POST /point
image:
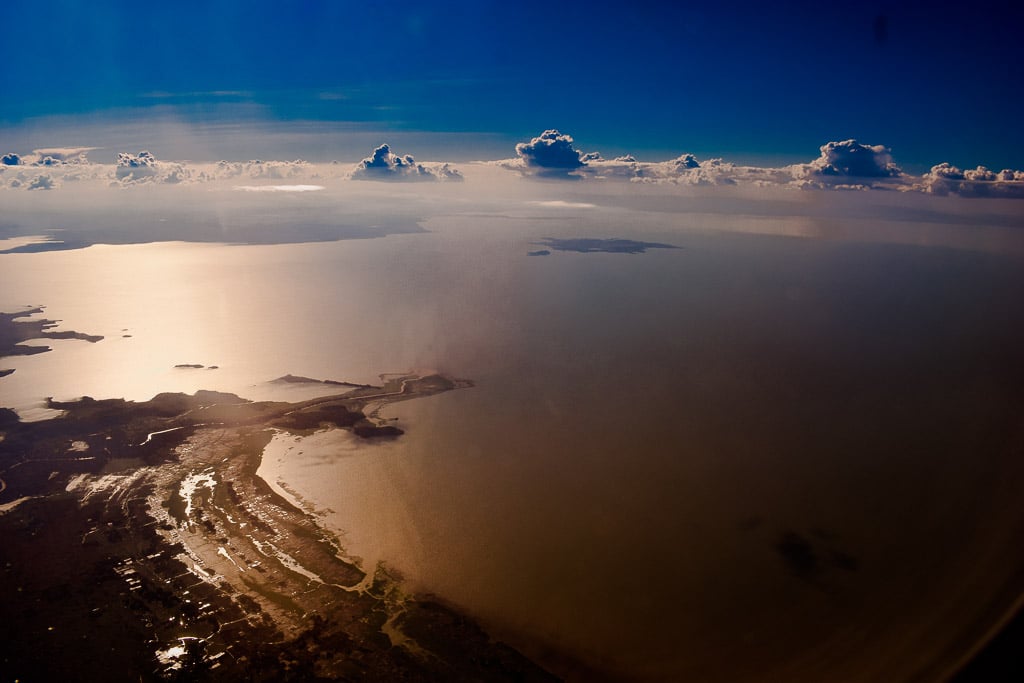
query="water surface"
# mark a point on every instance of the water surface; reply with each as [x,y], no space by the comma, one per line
[787,448]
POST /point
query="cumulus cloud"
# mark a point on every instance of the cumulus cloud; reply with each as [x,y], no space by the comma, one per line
[850,158]
[843,165]
[686,161]
[384,164]
[685,169]
[49,168]
[551,153]
[135,167]
[145,168]
[61,156]
[41,182]
[258,168]
[944,179]
[28,177]
[73,155]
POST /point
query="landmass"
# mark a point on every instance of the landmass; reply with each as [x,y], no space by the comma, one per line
[138,543]
[14,331]
[242,224]
[298,379]
[589,245]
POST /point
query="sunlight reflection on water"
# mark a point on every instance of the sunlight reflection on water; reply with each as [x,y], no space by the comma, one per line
[782,446]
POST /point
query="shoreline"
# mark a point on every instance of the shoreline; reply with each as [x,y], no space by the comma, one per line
[195,463]
[203,568]
[14,331]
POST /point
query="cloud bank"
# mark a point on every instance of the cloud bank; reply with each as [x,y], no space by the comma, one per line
[840,165]
[56,156]
[50,156]
[258,168]
[146,168]
[384,164]
[944,179]
[552,155]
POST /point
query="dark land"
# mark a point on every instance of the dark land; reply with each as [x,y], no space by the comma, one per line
[588,245]
[298,379]
[13,331]
[251,222]
[138,543]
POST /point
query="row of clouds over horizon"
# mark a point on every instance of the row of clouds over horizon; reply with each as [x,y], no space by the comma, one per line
[841,165]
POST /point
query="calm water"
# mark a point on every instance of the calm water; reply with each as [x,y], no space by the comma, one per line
[792,446]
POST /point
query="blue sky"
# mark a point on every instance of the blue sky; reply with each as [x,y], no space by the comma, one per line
[740,80]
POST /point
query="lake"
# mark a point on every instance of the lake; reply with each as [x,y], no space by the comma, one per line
[790,446]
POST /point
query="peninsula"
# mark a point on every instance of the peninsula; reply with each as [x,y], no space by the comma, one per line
[14,331]
[139,544]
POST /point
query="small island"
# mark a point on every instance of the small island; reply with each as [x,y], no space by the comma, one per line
[589,245]
[298,379]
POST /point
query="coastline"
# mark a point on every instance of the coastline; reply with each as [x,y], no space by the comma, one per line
[209,570]
[13,331]
[306,417]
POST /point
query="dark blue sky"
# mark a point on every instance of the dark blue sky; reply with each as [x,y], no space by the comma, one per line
[935,82]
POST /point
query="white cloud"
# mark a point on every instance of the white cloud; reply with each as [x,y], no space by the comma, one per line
[944,179]
[844,165]
[41,182]
[850,158]
[384,164]
[144,168]
[551,154]
[686,161]
[134,168]
[257,168]
[29,178]
[683,170]
[56,156]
